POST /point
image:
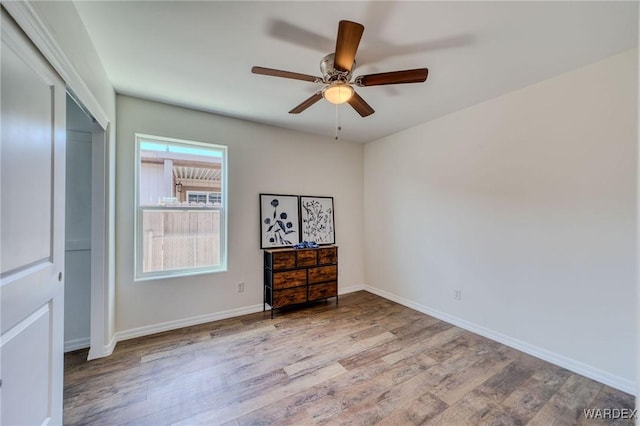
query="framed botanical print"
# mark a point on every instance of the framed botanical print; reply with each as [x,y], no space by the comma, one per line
[317,220]
[279,221]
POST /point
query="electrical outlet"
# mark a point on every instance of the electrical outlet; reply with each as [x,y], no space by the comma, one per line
[457,294]
[240,287]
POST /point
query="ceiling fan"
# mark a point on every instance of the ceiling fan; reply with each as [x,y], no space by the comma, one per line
[337,71]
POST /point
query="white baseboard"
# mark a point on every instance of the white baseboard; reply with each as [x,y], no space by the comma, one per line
[186,322]
[95,353]
[578,367]
[350,289]
[75,344]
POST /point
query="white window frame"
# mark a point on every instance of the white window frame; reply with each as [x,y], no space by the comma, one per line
[139,275]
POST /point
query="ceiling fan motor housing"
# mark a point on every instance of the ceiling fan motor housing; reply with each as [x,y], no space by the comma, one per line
[330,73]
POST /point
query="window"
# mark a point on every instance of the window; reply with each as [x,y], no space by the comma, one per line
[204,197]
[180,207]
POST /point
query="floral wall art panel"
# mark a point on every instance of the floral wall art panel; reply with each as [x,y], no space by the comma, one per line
[316,214]
[279,222]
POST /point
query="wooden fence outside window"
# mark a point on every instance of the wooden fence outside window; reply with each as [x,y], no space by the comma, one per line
[180,239]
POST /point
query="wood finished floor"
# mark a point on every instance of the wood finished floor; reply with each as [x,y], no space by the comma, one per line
[366,361]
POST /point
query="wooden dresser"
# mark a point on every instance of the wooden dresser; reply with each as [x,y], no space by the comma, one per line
[293,276]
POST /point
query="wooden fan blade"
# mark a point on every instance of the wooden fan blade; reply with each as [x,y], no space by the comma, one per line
[284,74]
[307,103]
[360,105]
[349,35]
[395,77]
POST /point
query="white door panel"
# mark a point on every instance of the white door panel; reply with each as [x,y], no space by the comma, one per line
[27,367]
[32,198]
[26,215]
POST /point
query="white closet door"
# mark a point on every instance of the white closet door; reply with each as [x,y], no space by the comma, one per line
[32,203]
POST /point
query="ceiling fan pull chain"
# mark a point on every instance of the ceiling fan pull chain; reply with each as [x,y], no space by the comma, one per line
[337,122]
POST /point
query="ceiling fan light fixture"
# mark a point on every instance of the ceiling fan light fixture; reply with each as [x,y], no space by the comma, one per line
[338,92]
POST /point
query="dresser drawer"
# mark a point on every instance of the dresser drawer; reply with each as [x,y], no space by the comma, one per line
[283,260]
[322,291]
[323,273]
[327,255]
[289,297]
[288,279]
[306,258]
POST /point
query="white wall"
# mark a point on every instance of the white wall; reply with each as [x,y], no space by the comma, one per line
[527,203]
[261,159]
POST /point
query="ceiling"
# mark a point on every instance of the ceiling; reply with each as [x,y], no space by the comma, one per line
[199,54]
